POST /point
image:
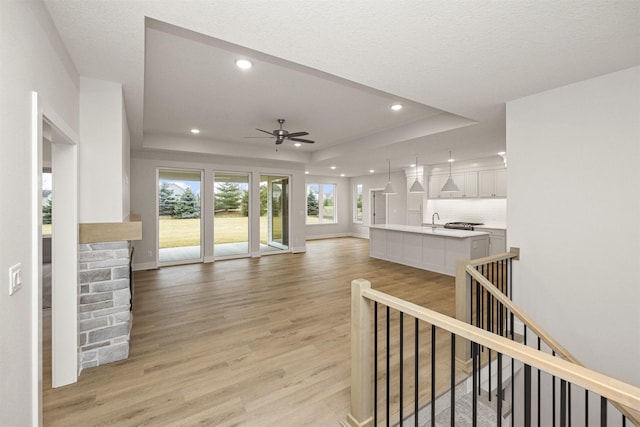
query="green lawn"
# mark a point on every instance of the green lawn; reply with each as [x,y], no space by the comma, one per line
[186,232]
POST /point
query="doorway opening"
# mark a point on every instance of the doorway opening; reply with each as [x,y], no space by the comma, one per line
[378,207]
[274,213]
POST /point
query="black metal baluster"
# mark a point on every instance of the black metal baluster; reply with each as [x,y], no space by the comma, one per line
[553,395]
[388,367]
[527,395]
[538,387]
[453,379]
[478,317]
[474,378]
[499,393]
[513,374]
[586,409]
[433,376]
[490,324]
[401,365]
[624,421]
[375,364]
[416,383]
[563,403]
[603,411]
[569,403]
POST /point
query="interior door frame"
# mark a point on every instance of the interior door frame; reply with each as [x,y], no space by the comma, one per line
[372,208]
[64,252]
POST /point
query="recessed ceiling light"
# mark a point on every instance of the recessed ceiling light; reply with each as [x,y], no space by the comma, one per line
[297,144]
[502,153]
[412,165]
[451,160]
[306,172]
[195,131]
[333,168]
[396,107]
[244,64]
[341,174]
[371,171]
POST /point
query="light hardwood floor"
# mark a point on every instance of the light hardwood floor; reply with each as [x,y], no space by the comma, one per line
[251,342]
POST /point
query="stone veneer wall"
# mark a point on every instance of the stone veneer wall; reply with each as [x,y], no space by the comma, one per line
[105,302]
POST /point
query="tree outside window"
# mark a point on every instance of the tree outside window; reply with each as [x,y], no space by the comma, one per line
[321,205]
[357,202]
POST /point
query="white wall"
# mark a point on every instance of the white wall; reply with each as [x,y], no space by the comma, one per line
[343,206]
[144,187]
[574,210]
[104,135]
[33,59]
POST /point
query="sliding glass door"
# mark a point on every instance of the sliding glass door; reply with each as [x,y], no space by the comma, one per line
[179,213]
[231,214]
[274,213]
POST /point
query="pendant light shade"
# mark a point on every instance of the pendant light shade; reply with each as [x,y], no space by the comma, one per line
[388,189]
[450,186]
[416,187]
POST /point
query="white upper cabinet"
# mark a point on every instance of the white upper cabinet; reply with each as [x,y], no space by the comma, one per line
[435,185]
[492,183]
[467,182]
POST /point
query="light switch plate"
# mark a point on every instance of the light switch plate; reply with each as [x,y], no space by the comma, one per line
[15,278]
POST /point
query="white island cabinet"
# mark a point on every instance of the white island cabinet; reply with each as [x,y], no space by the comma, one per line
[433,249]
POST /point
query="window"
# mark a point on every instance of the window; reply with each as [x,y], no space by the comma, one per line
[357,204]
[321,205]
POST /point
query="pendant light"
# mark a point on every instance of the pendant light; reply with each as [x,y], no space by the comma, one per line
[450,186]
[388,189]
[416,187]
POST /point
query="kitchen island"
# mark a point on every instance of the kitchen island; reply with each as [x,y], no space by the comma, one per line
[433,249]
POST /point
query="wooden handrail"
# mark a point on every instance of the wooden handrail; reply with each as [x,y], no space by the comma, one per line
[514,253]
[610,388]
[543,335]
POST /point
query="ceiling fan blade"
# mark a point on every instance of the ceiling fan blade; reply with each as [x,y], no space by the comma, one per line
[270,133]
[295,134]
[308,141]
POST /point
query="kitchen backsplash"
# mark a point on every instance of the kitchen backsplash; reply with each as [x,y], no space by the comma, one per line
[486,211]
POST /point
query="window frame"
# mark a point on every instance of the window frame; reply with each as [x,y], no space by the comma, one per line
[357,196]
[321,199]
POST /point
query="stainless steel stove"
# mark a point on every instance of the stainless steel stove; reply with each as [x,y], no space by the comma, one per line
[462,225]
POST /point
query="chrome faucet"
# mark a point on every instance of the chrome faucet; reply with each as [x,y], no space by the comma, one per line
[433,221]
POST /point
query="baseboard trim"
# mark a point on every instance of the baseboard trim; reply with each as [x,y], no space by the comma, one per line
[328,236]
[145,266]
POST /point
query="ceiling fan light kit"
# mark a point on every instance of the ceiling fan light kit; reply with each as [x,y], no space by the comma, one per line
[450,186]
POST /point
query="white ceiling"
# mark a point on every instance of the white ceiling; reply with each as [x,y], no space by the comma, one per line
[333,68]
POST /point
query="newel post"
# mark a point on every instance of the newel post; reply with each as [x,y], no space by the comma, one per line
[463,314]
[361,414]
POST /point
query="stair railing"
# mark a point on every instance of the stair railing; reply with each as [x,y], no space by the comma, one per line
[485,285]
[365,372]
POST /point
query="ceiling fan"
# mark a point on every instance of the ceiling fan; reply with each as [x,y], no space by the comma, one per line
[280,135]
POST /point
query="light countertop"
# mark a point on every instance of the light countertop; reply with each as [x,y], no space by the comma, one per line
[427,229]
